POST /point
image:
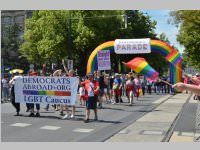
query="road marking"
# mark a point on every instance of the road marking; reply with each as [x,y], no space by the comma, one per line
[187,134]
[83,130]
[50,127]
[152,132]
[20,124]
[125,131]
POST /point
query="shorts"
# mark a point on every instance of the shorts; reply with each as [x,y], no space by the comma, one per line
[83,98]
[91,103]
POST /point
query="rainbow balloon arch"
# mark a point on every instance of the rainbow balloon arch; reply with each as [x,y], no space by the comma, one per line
[171,55]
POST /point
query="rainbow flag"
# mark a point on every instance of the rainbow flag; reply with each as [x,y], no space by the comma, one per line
[139,65]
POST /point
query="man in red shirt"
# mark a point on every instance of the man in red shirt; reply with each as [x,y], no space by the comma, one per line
[92,91]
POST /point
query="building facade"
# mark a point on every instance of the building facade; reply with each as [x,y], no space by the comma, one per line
[12,30]
[14,17]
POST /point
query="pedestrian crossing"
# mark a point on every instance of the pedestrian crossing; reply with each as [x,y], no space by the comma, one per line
[51,128]
[20,124]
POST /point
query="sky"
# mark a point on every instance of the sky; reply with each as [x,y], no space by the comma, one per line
[162,16]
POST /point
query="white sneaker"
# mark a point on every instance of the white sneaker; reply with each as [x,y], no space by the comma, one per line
[72,117]
[113,103]
[65,116]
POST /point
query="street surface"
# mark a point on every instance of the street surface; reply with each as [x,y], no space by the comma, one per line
[113,124]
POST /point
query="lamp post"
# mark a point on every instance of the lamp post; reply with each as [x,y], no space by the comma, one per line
[69,37]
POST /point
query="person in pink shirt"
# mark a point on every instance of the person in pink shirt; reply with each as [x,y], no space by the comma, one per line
[129,89]
[186,79]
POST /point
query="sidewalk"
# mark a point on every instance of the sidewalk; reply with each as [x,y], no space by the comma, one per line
[185,130]
[153,126]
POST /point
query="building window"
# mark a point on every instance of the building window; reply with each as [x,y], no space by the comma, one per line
[19,19]
[6,20]
[5,30]
[29,14]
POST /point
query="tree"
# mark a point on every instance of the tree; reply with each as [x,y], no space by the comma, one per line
[164,38]
[189,34]
[47,36]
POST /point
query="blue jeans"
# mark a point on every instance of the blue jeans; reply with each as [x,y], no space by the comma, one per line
[5,93]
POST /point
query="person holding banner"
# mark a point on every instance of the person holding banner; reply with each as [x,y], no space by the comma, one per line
[92,92]
[31,105]
[12,85]
[70,74]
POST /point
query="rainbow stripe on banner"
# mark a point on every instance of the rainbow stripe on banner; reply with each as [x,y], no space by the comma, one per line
[139,65]
[47,93]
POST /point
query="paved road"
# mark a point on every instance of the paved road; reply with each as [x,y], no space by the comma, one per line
[50,128]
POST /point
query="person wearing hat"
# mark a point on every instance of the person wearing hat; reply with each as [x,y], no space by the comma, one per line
[12,98]
[92,91]
[117,85]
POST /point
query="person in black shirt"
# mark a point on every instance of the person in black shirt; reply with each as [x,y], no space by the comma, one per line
[100,79]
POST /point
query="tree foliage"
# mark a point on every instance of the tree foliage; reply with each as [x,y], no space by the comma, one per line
[47,35]
[189,34]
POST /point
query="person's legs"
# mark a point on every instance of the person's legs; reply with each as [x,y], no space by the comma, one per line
[67,112]
[143,90]
[100,97]
[38,110]
[95,114]
[31,106]
[3,94]
[73,112]
[81,99]
[87,115]
[47,107]
[131,97]
[16,105]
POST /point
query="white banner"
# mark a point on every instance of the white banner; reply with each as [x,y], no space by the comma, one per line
[46,90]
[103,60]
[132,46]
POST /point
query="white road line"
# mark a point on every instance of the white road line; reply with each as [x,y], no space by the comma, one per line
[152,132]
[50,127]
[187,134]
[83,130]
[20,124]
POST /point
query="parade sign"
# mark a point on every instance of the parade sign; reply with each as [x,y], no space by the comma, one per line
[103,60]
[46,90]
[132,46]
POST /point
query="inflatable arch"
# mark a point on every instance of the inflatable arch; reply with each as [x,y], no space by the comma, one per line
[158,46]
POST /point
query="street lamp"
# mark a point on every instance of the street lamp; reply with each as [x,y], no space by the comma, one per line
[69,37]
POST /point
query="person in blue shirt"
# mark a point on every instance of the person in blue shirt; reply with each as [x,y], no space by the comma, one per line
[117,87]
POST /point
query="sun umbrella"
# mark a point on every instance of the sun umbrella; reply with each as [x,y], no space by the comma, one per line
[16,70]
